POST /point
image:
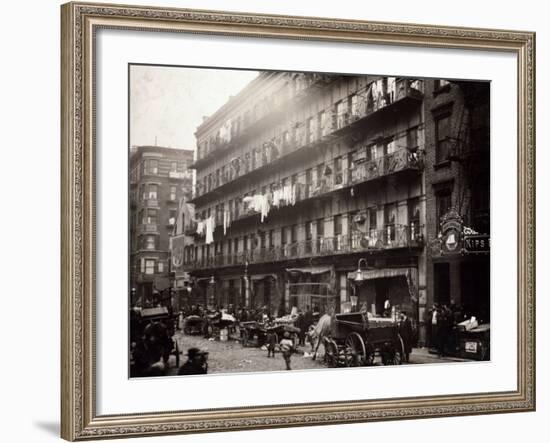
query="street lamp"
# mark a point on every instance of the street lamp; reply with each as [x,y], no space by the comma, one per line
[359,273]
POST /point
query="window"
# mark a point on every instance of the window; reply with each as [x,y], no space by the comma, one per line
[371,152]
[412,138]
[373,227]
[442,138]
[414,217]
[309,236]
[236,245]
[209,185]
[150,217]
[390,216]
[354,106]
[172,214]
[149,266]
[480,208]
[338,232]
[323,123]
[151,167]
[338,176]
[173,193]
[161,266]
[308,183]
[320,233]
[283,236]
[443,201]
[262,240]
[337,225]
[389,146]
[293,240]
[353,236]
[341,114]
[150,242]
[271,245]
[173,166]
[153,192]
[311,130]
[245,243]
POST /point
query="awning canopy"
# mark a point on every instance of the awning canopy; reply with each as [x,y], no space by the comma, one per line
[262,276]
[371,274]
[314,270]
[410,274]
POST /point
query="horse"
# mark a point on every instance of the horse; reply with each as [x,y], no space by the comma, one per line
[322,330]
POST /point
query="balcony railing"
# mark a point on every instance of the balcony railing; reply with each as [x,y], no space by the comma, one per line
[305,84]
[346,120]
[148,228]
[400,160]
[391,237]
[150,203]
[179,175]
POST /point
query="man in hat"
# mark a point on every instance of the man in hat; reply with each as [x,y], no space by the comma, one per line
[196,362]
[406,333]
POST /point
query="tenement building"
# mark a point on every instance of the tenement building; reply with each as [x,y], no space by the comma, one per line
[159,178]
[312,191]
[457,195]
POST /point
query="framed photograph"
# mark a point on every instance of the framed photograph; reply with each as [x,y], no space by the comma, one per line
[277,221]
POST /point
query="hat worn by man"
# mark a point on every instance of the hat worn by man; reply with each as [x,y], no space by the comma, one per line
[193,352]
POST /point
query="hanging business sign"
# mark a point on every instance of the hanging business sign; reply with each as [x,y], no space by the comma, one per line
[477,244]
[451,233]
[456,238]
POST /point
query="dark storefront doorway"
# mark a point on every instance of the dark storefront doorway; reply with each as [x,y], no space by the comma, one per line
[442,283]
[475,283]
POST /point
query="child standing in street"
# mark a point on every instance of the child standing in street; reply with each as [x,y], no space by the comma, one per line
[271,342]
[287,347]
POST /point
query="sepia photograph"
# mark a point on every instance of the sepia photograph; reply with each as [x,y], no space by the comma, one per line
[301,220]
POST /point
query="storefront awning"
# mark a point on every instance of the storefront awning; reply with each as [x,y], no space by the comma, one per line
[314,270]
[372,274]
[262,276]
[410,274]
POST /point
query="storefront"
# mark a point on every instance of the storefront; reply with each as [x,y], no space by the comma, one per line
[385,292]
[459,273]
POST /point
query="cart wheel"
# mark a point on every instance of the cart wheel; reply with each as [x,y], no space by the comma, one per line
[331,352]
[369,357]
[394,355]
[356,346]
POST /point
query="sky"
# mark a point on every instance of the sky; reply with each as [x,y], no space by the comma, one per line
[168,103]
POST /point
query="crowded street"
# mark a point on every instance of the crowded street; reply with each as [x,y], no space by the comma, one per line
[231,356]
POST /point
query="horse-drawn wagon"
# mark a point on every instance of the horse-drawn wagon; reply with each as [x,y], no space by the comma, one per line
[356,340]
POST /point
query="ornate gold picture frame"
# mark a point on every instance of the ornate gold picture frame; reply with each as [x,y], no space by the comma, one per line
[80,23]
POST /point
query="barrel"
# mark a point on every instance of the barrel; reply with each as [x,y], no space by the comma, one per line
[223,334]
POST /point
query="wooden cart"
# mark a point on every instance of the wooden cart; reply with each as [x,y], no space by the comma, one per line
[356,340]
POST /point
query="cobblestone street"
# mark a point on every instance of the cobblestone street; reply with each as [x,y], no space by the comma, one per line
[231,356]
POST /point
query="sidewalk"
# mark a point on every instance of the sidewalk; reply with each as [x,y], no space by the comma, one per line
[422,355]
